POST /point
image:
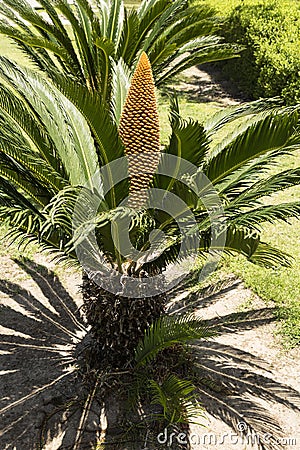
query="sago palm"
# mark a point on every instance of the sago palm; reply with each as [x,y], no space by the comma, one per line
[97,43]
[79,185]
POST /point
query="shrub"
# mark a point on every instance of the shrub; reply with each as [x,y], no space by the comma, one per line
[270,64]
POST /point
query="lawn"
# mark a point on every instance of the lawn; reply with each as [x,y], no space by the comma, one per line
[283,286]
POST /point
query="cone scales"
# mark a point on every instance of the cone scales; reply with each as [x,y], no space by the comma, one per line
[139,131]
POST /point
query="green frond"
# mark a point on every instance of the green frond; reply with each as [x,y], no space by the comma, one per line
[237,240]
[271,213]
[81,39]
[198,51]
[178,400]
[36,167]
[276,131]
[21,218]
[159,53]
[147,6]
[246,242]
[30,186]
[166,332]
[192,23]
[20,238]
[56,20]
[59,215]
[11,197]
[270,257]
[35,41]
[167,16]
[104,130]
[23,123]
[95,112]
[244,192]
[227,115]
[129,35]
[188,140]
[148,16]
[103,12]
[74,141]
[106,49]
[233,187]
[115,20]
[54,34]
[120,84]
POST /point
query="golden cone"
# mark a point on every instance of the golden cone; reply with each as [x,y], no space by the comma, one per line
[139,131]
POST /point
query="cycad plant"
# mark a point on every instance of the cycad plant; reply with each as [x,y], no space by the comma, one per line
[97,42]
[62,184]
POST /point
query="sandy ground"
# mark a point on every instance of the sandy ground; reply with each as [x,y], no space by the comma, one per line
[40,324]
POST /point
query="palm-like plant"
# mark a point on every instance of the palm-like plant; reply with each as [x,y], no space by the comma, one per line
[97,43]
[53,144]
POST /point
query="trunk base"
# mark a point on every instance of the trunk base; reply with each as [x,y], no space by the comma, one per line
[117,324]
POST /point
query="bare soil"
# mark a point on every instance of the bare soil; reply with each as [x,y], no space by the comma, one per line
[42,399]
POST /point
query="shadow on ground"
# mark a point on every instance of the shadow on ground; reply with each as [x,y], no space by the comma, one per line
[206,84]
[41,398]
[43,401]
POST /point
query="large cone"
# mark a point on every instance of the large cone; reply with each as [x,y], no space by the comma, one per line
[139,131]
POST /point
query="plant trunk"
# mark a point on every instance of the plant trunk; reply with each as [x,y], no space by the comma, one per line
[117,323]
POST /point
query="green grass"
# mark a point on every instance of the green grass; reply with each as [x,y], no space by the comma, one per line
[283,286]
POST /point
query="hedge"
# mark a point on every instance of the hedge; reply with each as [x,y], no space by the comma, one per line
[270,65]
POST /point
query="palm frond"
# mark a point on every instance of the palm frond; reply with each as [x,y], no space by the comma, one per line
[165,18]
[106,49]
[115,20]
[236,184]
[23,180]
[178,399]
[82,44]
[198,51]
[38,140]
[270,133]
[189,140]
[103,12]
[10,197]
[54,34]
[148,15]
[168,331]
[147,6]
[74,141]
[270,213]
[188,143]
[120,85]
[225,116]
[191,23]
[248,243]
[103,128]
[129,35]
[265,187]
